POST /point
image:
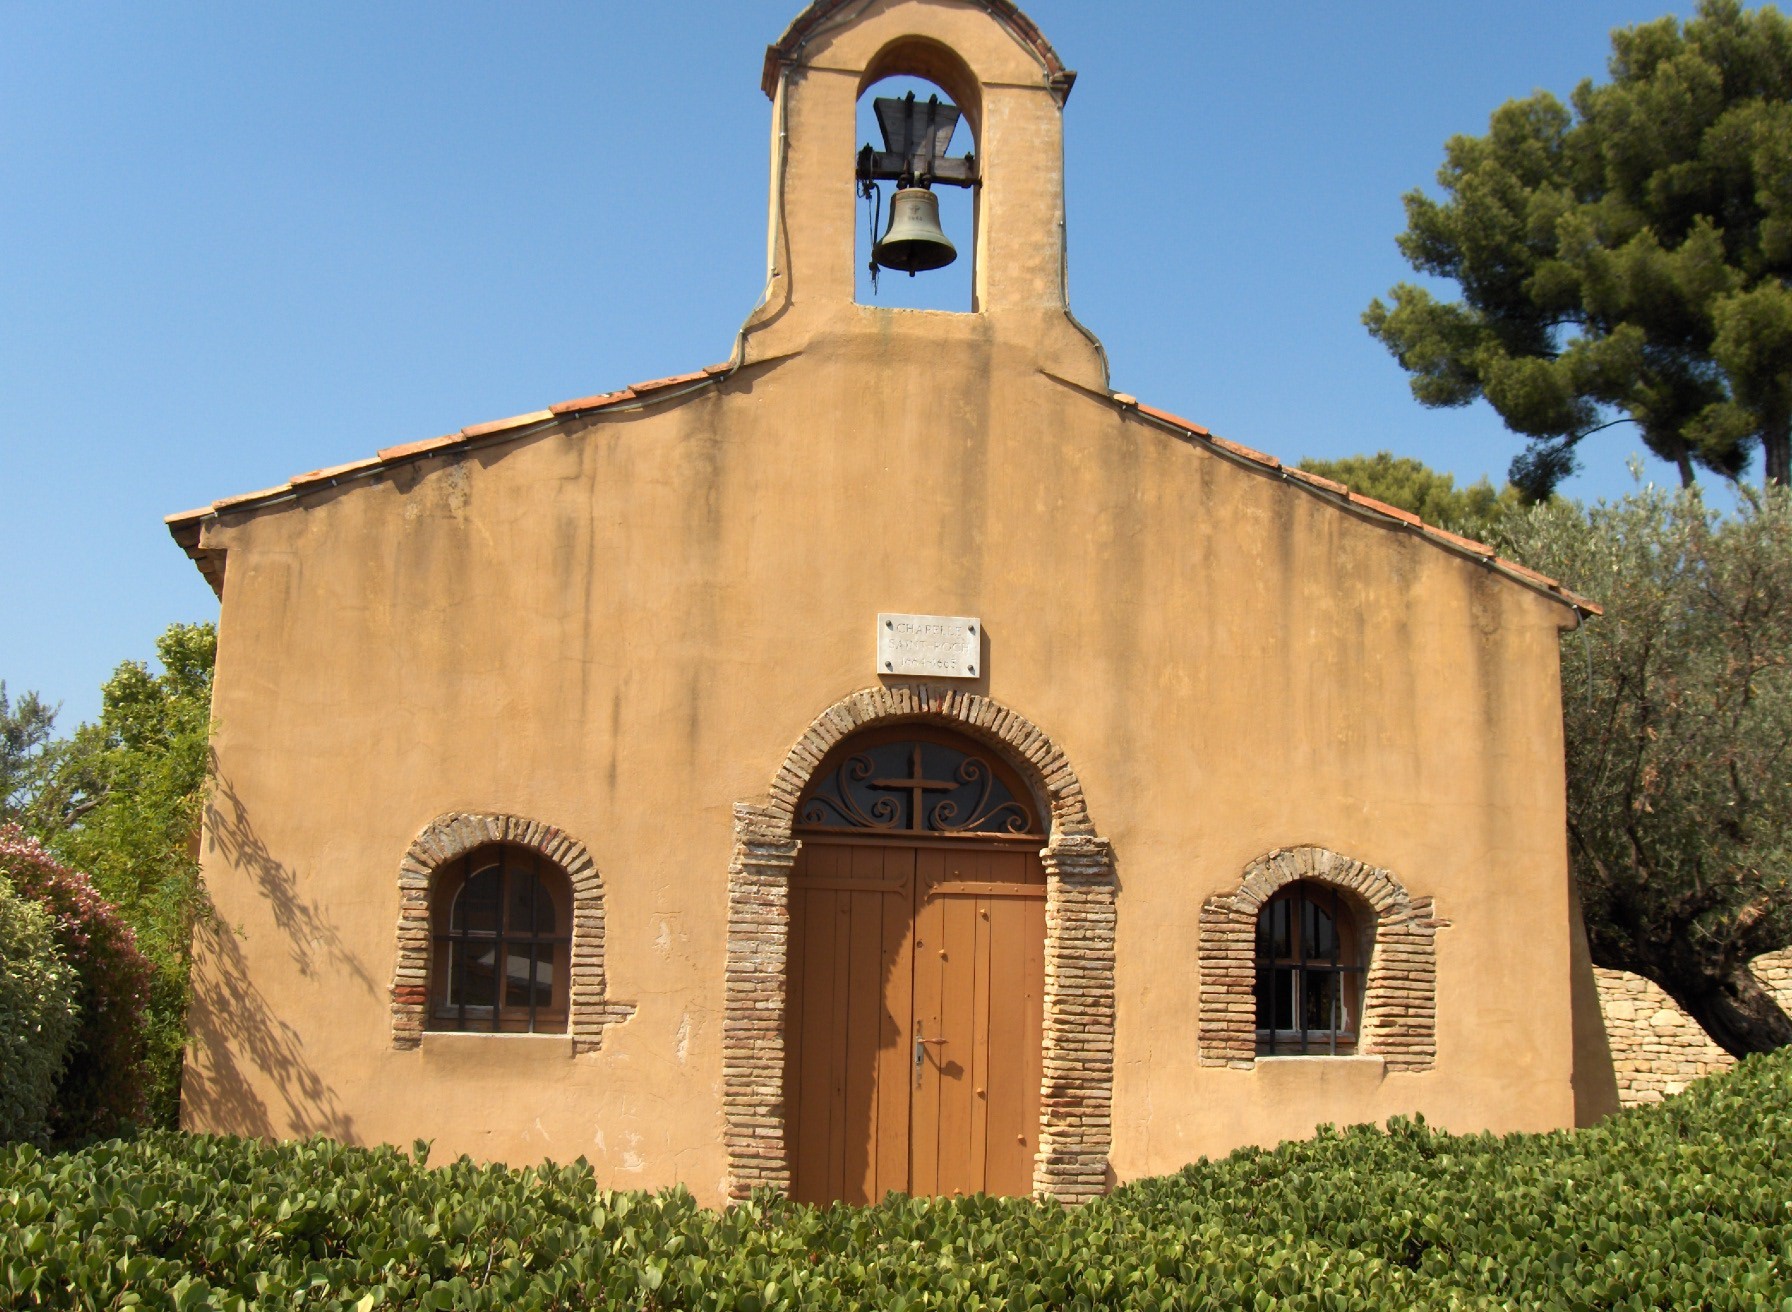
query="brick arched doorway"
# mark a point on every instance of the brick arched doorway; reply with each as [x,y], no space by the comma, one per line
[1069,1152]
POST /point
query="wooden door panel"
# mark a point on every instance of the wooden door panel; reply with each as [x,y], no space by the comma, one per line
[947,1074]
[1016,1010]
[927,1027]
[879,982]
[846,1092]
[895,1085]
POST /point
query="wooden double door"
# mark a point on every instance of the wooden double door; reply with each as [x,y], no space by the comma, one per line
[913,1034]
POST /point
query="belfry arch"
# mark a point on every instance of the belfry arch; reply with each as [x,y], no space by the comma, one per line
[1077,1057]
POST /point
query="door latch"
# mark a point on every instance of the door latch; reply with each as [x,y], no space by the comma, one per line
[921,1046]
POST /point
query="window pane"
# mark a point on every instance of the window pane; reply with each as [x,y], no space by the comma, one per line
[526,894]
[525,977]
[1319,997]
[1280,931]
[479,977]
[1275,999]
[1320,935]
[476,906]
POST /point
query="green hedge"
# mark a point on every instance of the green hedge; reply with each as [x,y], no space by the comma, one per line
[1688,1204]
[37,1016]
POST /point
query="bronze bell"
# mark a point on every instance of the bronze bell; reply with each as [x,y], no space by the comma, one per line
[913,241]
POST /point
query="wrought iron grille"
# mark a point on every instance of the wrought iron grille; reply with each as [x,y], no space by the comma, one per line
[502,951]
[911,786]
[1309,974]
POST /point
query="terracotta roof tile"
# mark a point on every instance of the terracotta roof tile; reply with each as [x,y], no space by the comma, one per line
[659,384]
[404,451]
[184,526]
[592,402]
[429,446]
[333,473]
[633,390]
[1383,508]
[505,425]
[1457,540]
[1247,452]
[1177,421]
[1440,536]
[1295,472]
[244,498]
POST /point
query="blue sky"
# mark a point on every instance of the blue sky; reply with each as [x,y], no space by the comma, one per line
[238,242]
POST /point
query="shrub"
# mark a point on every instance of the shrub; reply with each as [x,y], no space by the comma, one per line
[37,1016]
[101,1091]
[1683,1204]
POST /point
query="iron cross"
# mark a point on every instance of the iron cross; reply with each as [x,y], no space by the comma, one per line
[917,785]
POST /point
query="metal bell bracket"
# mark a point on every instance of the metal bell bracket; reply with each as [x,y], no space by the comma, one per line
[917,134]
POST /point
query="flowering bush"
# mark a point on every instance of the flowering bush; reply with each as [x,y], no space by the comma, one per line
[101,1091]
[37,1016]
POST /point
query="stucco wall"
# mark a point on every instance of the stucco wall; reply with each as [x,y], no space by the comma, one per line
[1657,1049]
[620,630]
[619,624]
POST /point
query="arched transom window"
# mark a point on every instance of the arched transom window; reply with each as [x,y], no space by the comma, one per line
[502,922]
[896,782]
[1310,972]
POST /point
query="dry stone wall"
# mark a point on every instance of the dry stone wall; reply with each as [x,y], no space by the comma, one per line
[1657,1049]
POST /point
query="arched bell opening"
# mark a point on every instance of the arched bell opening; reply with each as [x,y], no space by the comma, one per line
[907,211]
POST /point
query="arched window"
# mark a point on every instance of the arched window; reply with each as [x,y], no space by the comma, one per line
[1310,971]
[501,921]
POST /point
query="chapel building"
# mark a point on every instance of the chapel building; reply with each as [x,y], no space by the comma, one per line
[889,759]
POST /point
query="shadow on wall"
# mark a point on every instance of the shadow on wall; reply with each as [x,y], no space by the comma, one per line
[308,934]
[246,1052]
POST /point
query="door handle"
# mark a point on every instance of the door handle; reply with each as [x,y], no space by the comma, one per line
[921,1048]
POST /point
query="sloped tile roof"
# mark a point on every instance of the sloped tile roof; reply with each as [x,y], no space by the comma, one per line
[1342,496]
[185,526]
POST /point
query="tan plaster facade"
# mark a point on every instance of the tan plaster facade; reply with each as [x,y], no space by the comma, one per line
[622,618]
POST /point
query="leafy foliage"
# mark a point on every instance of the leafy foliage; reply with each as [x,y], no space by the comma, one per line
[128,794]
[1681,1204]
[37,1016]
[101,1092]
[1678,713]
[30,754]
[1624,260]
[1428,493]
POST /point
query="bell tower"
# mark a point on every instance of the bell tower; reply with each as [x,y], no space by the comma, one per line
[1008,87]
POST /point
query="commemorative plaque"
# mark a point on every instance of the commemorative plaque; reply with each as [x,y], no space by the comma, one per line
[941,646]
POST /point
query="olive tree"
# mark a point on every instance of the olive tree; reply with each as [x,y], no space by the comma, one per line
[1678,715]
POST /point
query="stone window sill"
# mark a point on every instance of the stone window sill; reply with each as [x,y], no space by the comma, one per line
[487,1036]
[1350,1059]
